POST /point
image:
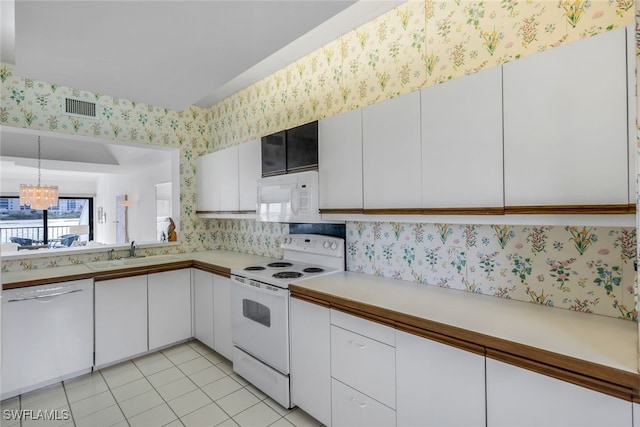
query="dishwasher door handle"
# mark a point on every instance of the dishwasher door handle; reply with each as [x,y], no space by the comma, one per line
[44,296]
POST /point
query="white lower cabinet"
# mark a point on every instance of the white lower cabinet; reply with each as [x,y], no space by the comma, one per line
[636,415]
[519,397]
[169,296]
[222,339]
[352,408]
[438,385]
[120,319]
[363,364]
[311,359]
[203,306]
[138,313]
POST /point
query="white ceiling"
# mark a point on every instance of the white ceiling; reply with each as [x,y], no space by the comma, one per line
[170,53]
[166,53]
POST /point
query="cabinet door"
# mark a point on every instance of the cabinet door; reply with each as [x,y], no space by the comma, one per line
[352,408]
[462,142]
[203,306]
[518,397]
[311,359]
[565,124]
[250,166]
[169,307]
[120,319]
[632,107]
[340,161]
[438,385]
[222,342]
[208,193]
[226,176]
[391,153]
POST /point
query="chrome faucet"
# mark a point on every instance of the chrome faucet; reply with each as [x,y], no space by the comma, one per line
[132,249]
[110,255]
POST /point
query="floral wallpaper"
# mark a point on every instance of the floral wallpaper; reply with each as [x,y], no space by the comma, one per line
[38,105]
[588,269]
[419,43]
[249,236]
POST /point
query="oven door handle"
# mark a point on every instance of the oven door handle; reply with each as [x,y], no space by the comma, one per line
[272,290]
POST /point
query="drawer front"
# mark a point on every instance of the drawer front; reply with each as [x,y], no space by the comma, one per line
[364,364]
[364,327]
[352,408]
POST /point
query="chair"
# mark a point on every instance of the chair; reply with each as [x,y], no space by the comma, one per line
[68,239]
[22,241]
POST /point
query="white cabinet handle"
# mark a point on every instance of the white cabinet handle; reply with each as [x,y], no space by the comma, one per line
[360,346]
[360,404]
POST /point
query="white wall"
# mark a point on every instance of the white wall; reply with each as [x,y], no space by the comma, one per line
[139,187]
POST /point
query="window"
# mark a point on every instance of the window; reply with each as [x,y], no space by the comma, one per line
[56,227]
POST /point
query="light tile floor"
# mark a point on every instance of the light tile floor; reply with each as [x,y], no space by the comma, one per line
[185,385]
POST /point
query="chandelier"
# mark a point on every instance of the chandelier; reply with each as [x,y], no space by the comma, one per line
[41,196]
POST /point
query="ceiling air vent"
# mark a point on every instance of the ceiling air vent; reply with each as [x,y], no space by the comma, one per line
[80,108]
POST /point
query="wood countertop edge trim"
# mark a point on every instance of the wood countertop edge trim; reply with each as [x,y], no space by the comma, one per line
[212,268]
[611,209]
[140,270]
[604,379]
[121,273]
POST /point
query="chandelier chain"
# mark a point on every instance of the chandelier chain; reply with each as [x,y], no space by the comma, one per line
[39,161]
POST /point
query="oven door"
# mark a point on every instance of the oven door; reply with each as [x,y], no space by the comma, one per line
[260,321]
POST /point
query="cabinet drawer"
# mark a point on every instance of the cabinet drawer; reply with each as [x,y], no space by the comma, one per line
[365,364]
[352,408]
[364,327]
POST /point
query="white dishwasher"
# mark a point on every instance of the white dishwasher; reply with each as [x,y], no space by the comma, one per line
[47,335]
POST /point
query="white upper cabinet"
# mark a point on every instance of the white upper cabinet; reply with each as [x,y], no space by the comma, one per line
[208,195]
[227,179]
[249,170]
[565,125]
[340,161]
[391,153]
[462,142]
[631,112]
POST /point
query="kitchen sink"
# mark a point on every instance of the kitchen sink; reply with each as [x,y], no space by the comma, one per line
[129,262]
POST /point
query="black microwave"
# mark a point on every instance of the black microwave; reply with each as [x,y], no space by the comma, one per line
[291,150]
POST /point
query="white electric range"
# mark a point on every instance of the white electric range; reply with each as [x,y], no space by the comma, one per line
[260,308]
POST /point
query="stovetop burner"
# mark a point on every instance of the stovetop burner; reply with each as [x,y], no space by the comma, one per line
[255,268]
[279,264]
[313,270]
[287,275]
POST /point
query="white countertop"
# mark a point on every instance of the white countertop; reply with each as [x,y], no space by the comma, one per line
[598,339]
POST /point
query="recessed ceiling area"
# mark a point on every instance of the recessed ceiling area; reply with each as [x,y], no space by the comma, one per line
[171,54]
[63,154]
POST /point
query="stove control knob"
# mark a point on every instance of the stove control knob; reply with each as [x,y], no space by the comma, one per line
[334,246]
[326,245]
